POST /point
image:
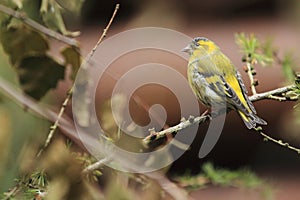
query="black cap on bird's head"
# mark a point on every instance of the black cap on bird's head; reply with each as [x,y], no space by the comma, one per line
[199,42]
[200,39]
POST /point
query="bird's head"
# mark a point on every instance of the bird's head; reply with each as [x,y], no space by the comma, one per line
[200,43]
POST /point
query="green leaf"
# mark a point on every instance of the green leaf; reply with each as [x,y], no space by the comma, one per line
[73,58]
[19,41]
[52,17]
[38,74]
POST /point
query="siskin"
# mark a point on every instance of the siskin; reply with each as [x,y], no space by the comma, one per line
[215,80]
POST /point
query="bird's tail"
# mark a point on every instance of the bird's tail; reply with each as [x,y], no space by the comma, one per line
[251,120]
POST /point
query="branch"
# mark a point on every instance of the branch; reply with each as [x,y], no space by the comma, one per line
[174,129]
[41,110]
[171,188]
[69,130]
[103,33]
[258,96]
[251,74]
[279,142]
[54,127]
[273,93]
[40,28]
[96,165]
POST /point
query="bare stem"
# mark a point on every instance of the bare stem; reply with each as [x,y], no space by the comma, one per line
[272,93]
[162,180]
[56,123]
[96,165]
[186,123]
[40,28]
[279,142]
[54,127]
[13,192]
[251,77]
[104,32]
[182,125]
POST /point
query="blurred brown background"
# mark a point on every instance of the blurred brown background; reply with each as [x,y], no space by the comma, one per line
[218,20]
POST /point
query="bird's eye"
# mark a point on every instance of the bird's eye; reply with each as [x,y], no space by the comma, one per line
[197,40]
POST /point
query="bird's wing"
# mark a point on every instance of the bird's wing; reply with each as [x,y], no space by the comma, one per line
[245,92]
[234,96]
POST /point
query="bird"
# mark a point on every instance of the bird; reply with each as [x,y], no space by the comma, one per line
[216,82]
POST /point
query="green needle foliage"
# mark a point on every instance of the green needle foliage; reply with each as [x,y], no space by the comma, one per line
[236,178]
[254,50]
[241,178]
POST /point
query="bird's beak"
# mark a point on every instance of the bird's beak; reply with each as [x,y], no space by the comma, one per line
[187,49]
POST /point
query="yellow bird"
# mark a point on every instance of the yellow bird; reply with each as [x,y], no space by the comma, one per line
[215,81]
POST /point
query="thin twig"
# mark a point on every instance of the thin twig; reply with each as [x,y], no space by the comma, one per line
[171,188]
[279,142]
[12,192]
[40,28]
[270,94]
[70,131]
[54,127]
[251,77]
[103,33]
[182,125]
[96,165]
[186,123]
